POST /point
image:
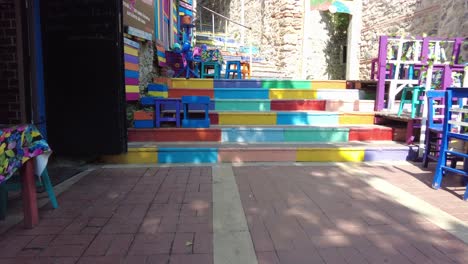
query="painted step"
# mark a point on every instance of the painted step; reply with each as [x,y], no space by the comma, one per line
[260,105]
[298,118]
[303,84]
[346,105]
[180,83]
[334,94]
[297,105]
[272,94]
[241,93]
[263,134]
[278,152]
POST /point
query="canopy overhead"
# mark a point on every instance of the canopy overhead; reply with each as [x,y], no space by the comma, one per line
[334,6]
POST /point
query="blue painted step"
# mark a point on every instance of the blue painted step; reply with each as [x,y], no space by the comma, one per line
[241,93]
[187,155]
[237,84]
[308,118]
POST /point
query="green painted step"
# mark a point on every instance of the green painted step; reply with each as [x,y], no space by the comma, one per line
[316,134]
[260,105]
[289,84]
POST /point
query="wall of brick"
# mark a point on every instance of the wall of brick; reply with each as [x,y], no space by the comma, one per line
[9,89]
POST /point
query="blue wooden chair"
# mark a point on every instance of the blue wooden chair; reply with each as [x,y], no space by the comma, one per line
[452,129]
[434,127]
[189,121]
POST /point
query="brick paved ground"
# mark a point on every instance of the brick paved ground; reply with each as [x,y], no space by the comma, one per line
[418,181]
[295,214]
[323,215]
[143,215]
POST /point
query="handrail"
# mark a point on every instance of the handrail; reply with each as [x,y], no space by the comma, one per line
[226,18]
[232,21]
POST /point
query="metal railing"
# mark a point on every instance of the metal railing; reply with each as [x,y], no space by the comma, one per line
[199,20]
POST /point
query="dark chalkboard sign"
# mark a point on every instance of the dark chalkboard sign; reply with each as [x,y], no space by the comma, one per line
[84,82]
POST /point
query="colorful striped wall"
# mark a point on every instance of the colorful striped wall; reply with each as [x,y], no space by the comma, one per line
[131,62]
[161,53]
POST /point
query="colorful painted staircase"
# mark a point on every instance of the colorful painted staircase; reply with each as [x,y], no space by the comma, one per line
[267,120]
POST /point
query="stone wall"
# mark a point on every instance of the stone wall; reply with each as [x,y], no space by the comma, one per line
[278,29]
[9,89]
[146,57]
[448,18]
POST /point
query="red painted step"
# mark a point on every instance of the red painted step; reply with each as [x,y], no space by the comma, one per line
[370,133]
[177,93]
[294,105]
[173,134]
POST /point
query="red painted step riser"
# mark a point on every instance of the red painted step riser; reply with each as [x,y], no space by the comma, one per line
[214,118]
[214,135]
[177,93]
[143,135]
[293,105]
[370,134]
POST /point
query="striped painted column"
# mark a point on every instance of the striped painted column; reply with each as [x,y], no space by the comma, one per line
[131,61]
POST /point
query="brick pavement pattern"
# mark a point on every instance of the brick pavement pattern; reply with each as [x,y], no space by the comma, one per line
[137,215]
[320,214]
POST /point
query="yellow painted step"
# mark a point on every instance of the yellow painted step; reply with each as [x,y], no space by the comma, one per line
[292,94]
[247,118]
[330,154]
[332,84]
[356,119]
[180,83]
[133,156]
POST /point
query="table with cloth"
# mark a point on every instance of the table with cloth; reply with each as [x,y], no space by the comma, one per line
[23,147]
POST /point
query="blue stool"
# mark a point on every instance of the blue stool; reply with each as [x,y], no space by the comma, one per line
[166,102]
[194,100]
[210,65]
[236,71]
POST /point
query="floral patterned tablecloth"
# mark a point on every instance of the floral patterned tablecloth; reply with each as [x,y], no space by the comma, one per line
[18,144]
